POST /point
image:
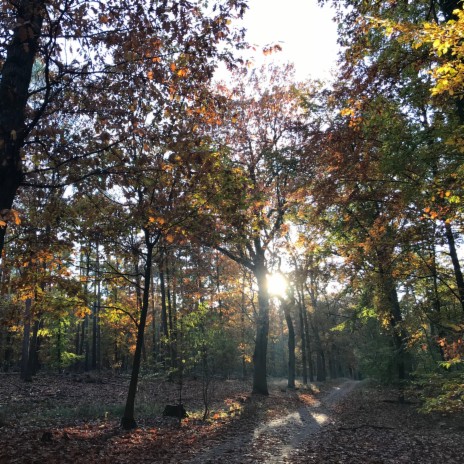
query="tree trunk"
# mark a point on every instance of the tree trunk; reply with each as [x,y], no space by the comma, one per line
[321,372]
[456,265]
[399,333]
[81,338]
[25,373]
[291,345]
[85,326]
[262,330]
[94,335]
[87,344]
[164,312]
[242,332]
[59,349]
[171,314]
[154,351]
[8,353]
[332,365]
[16,76]
[309,353]
[98,306]
[436,327]
[33,350]
[128,420]
[303,343]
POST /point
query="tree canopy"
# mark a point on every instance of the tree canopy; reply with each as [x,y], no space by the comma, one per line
[144,204]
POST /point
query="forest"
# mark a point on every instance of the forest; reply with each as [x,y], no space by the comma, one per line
[224,249]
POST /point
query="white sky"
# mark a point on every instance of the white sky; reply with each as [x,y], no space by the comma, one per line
[305,31]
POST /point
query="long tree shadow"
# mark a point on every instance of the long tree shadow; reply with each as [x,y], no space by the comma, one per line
[261,440]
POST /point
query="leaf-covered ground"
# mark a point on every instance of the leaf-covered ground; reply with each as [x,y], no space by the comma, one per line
[371,426]
[74,419]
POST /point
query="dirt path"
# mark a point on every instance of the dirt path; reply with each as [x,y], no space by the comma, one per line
[58,420]
[274,441]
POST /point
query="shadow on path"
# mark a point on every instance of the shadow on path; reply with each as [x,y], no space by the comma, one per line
[274,441]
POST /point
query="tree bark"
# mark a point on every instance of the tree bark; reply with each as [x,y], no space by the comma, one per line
[291,345]
[164,309]
[308,343]
[399,333]
[303,343]
[456,265]
[94,335]
[25,374]
[128,421]
[33,350]
[170,293]
[321,371]
[154,351]
[262,330]
[242,332]
[16,76]
[396,319]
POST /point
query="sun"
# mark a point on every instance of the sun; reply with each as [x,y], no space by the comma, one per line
[277,285]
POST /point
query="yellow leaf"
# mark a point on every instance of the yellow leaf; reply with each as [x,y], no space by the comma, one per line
[346,112]
[2,223]
[150,75]
[173,67]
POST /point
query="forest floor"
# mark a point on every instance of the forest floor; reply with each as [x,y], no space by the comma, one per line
[75,419]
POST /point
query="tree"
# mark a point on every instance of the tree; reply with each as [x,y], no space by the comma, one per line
[260,137]
[95,63]
[397,185]
[38,278]
[286,306]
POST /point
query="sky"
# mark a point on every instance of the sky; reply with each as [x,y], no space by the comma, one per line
[305,31]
